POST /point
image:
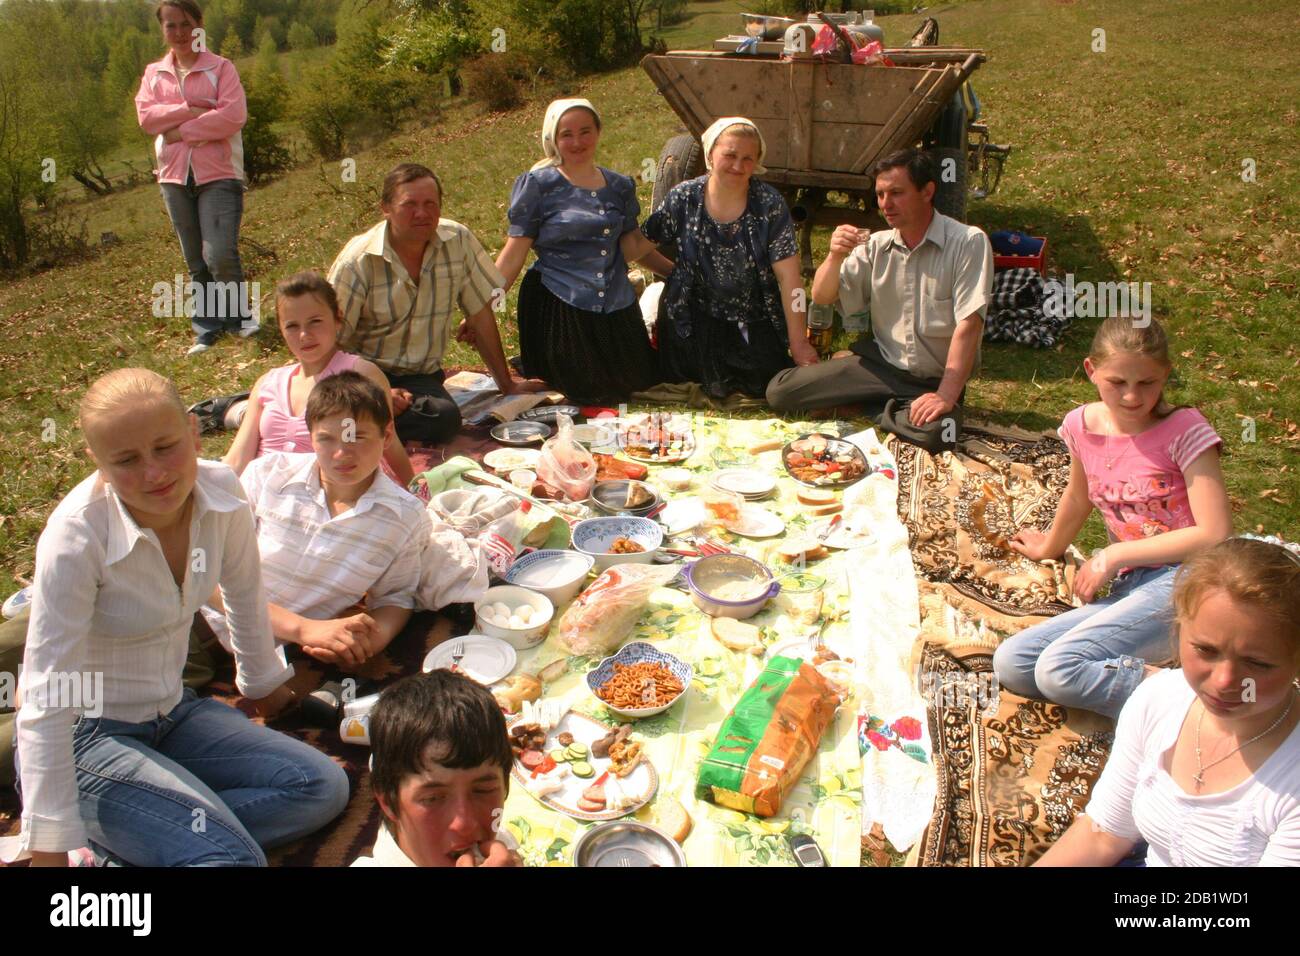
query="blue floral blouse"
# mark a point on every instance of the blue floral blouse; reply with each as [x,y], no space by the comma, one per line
[724,269]
[575,235]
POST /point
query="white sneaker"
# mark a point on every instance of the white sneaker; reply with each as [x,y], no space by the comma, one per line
[17,601]
[235,415]
[248,329]
[198,348]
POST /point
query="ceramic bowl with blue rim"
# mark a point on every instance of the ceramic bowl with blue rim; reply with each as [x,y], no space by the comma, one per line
[596,536]
[558,574]
[636,653]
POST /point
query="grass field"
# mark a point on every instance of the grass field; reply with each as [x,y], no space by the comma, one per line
[1129,160]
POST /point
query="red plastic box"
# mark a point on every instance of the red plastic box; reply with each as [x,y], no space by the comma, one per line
[1023,262]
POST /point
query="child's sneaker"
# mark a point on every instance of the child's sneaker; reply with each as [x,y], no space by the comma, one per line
[17,601]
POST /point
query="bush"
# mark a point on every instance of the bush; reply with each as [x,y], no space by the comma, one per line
[430,45]
[264,153]
[493,80]
[325,109]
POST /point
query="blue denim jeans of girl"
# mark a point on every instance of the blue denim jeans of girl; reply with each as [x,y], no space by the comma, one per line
[200,786]
[1093,657]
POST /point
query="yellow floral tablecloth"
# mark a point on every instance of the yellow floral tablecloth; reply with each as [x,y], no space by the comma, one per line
[827,802]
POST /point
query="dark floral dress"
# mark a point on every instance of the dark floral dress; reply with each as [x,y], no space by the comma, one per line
[721,322]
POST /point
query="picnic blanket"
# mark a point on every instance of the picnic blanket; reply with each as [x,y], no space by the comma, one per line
[961,508]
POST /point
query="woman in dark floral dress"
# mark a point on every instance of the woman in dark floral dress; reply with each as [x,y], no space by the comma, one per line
[732,314]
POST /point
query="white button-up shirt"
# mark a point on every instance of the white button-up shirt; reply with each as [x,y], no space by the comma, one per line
[917,296]
[318,565]
[106,607]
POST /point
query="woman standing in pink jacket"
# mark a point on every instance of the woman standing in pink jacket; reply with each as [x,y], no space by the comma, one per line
[192,102]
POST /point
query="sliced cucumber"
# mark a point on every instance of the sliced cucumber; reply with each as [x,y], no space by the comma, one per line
[578,749]
[582,769]
[559,756]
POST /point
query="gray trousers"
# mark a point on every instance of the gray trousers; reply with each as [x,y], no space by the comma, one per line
[866,378]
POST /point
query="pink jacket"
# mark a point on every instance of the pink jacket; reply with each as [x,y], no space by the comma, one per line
[211,144]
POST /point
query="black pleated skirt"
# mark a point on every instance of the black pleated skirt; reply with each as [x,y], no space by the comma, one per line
[594,358]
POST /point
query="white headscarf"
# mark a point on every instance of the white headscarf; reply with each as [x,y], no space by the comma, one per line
[713,132]
[553,113]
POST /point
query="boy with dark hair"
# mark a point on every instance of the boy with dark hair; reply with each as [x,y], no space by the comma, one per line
[441,762]
[333,529]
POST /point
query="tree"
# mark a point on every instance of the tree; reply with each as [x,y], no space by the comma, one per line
[302,37]
[264,152]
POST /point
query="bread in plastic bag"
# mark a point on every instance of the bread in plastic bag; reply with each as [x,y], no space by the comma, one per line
[601,618]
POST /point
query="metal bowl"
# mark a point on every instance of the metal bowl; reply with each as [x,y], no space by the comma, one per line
[607,497]
[521,433]
[549,413]
[627,843]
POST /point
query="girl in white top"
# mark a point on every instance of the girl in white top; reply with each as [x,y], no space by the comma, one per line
[112,749]
[1206,762]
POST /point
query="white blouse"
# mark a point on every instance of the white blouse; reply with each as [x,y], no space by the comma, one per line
[106,608]
[1256,823]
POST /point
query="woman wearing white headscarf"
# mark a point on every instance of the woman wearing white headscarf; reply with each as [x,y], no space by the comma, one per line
[580,328]
[732,315]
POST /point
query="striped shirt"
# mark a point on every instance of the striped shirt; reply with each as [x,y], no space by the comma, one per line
[403,324]
[1137,481]
[105,603]
[318,565]
[1256,823]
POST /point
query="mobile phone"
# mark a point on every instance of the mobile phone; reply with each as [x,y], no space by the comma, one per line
[806,851]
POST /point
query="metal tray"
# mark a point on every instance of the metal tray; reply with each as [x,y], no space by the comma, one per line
[521,433]
[836,446]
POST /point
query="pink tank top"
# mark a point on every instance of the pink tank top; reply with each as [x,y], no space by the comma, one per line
[280,429]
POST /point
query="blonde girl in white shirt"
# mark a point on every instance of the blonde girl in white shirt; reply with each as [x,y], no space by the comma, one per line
[112,750]
[1206,762]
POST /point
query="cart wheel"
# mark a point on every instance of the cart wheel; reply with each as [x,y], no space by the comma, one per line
[950,197]
[682,158]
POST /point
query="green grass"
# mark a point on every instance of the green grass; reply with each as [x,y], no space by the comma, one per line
[1129,160]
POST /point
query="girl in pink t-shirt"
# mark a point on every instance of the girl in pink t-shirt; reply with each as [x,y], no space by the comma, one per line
[1153,473]
[308,313]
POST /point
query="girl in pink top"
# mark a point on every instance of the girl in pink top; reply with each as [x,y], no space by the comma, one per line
[1153,473]
[308,313]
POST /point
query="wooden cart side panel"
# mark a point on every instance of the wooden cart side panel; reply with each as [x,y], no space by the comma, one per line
[936,100]
[800,131]
[837,145]
[887,137]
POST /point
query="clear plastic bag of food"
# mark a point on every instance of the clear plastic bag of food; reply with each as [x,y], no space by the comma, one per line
[565,465]
[601,617]
[721,509]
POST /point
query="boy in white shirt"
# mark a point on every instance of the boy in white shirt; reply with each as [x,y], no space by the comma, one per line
[333,529]
[441,773]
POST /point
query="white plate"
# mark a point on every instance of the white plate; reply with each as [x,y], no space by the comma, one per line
[846,536]
[593,435]
[642,782]
[682,514]
[508,459]
[804,648]
[755,522]
[487,659]
[745,482]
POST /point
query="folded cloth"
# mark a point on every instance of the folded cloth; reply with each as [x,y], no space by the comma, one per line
[1016,313]
[444,476]
[453,569]
[470,510]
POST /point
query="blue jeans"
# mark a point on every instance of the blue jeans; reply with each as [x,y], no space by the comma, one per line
[1092,657]
[206,219]
[200,786]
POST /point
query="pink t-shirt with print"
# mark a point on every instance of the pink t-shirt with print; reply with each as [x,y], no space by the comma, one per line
[1136,481]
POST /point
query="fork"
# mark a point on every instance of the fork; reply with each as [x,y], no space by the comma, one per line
[457,653]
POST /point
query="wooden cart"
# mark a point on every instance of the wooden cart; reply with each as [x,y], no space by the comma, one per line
[826,124]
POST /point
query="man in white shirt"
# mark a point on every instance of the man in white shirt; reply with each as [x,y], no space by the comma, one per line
[333,529]
[441,772]
[927,282]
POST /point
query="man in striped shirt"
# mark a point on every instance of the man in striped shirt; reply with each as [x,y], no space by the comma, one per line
[398,285]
